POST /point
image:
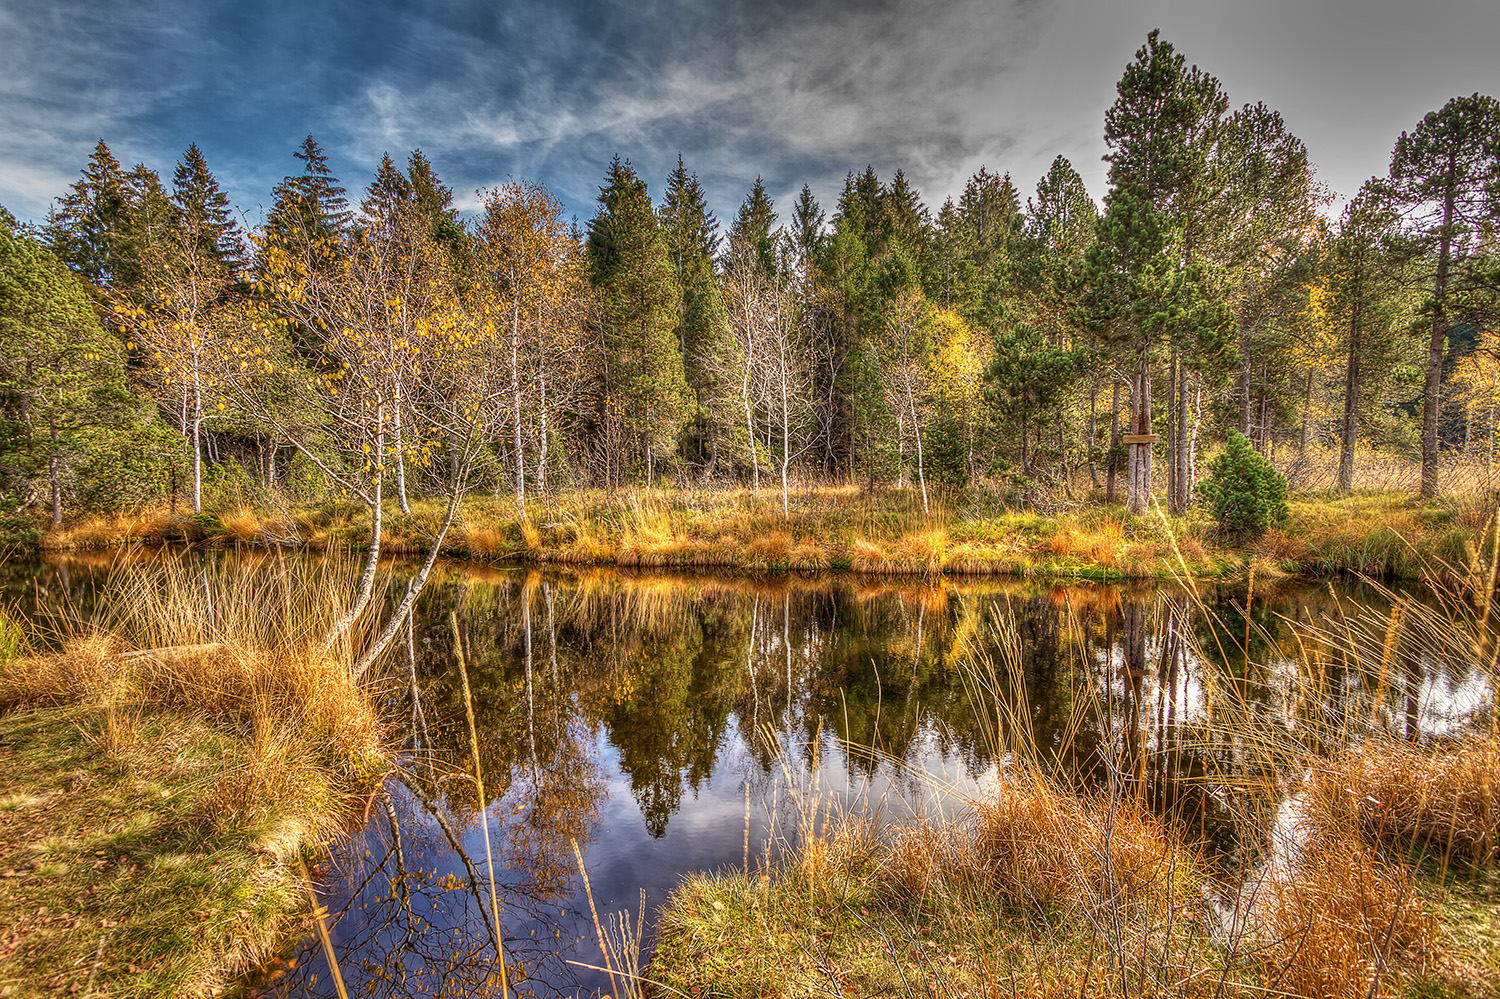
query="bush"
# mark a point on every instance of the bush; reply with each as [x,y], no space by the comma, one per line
[1243,492]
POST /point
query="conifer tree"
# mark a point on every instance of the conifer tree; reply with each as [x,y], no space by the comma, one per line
[1445,180]
[639,304]
[807,226]
[310,207]
[108,219]
[1266,210]
[203,211]
[64,405]
[692,236]
[991,209]
[88,230]
[1047,263]
[1364,269]
[1162,132]
[387,194]
[754,228]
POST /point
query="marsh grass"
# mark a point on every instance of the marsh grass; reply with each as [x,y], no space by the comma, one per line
[883,531]
[208,731]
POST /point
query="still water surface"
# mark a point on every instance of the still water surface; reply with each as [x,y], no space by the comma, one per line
[670,724]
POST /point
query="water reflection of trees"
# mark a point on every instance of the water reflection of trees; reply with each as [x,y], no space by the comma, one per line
[1200,703]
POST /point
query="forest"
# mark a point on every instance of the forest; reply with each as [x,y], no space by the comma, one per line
[157,349]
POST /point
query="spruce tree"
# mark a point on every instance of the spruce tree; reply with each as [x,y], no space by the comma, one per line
[309,207]
[108,219]
[387,195]
[640,301]
[88,229]
[754,229]
[991,208]
[692,238]
[203,211]
[807,225]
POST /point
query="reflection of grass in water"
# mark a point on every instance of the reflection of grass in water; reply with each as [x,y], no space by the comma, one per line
[1053,891]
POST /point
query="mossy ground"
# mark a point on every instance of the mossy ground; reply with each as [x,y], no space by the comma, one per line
[116,879]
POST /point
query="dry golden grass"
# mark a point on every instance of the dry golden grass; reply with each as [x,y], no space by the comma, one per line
[100,531]
[770,548]
[1278,545]
[1345,925]
[1100,543]
[480,541]
[1447,798]
[1056,851]
[237,650]
[925,549]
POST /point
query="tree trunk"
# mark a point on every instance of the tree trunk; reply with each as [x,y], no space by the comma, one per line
[541,443]
[1432,396]
[1062,453]
[1093,434]
[1242,391]
[398,618]
[54,475]
[900,449]
[1193,440]
[786,434]
[372,559]
[917,428]
[1139,497]
[1348,429]
[197,435]
[750,420]
[1112,460]
[1184,494]
[515,404]
[1172,416]
[400,451]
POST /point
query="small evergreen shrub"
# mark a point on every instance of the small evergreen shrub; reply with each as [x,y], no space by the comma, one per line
[1244,492]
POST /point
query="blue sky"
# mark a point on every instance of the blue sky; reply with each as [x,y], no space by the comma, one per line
[793,92]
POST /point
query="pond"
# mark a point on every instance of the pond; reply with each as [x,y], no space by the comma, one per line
[634,728]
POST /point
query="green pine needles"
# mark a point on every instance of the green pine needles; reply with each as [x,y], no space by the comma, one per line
[1244,492]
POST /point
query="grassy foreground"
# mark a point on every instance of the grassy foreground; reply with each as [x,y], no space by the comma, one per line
[846,529]
[1366,865]
[1036,891]
[154,808]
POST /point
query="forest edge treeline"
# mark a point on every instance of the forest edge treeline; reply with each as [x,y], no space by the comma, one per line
[153,350]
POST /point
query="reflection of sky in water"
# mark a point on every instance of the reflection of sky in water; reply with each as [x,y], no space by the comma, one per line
[708,833]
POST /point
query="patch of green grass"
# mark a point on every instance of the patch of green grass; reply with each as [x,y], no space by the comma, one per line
[115,875]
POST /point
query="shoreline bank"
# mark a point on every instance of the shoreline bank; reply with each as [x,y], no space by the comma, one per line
[830,530]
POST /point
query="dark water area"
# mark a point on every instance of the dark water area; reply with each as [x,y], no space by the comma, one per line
[655,726]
